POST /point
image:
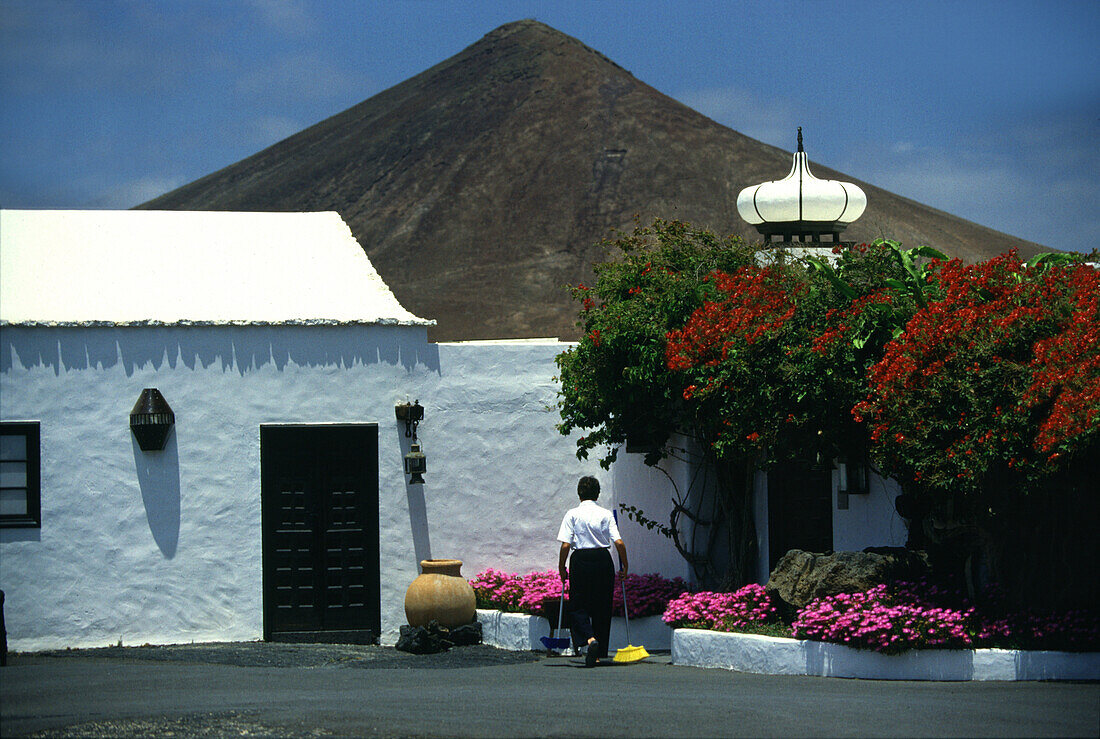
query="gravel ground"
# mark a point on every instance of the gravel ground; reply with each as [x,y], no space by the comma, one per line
[233,723]
[272,654]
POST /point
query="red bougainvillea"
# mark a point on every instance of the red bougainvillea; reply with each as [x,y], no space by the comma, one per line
[755,303]
[733,351]
[998,379]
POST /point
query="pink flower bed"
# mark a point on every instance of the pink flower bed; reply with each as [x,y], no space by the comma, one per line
[891,619]
[647,595]
[721,611]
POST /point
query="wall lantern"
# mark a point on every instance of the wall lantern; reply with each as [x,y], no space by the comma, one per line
[416,464]
[854,476]
[412,414]
[151,420]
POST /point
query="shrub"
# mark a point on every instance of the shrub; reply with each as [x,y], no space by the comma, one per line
[514,593]
[883,621]
[721,611]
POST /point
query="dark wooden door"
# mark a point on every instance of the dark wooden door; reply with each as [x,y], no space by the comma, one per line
[319,503]
[800,511]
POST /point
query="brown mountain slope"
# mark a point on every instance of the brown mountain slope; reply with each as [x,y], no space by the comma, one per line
[480,186]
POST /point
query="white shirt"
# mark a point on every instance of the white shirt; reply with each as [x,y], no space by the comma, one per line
[588,526]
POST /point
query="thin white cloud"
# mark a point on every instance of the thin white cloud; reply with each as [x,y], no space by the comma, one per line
[290,17]
[769,119]
[1034,180]
[299,77]
[134,192]
[268,130]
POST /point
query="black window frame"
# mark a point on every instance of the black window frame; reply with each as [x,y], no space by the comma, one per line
[31,431]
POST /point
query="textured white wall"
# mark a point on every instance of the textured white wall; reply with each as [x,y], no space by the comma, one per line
[166,547]
[871,520]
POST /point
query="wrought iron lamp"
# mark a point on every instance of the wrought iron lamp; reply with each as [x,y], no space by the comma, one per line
[416,464]
[151,420]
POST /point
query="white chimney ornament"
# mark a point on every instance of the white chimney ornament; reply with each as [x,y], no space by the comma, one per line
[801,205]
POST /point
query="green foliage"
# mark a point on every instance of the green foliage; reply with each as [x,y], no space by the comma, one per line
[615,382]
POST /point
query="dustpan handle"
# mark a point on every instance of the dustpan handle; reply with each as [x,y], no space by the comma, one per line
[561,604]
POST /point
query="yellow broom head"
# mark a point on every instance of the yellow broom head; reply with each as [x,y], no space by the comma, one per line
[630,653]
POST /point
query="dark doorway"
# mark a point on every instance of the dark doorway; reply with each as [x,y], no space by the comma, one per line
[800,511]
[319,503]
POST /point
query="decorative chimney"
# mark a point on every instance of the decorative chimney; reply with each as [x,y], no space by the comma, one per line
[800,206]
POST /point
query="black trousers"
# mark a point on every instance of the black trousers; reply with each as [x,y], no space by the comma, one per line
[591,586]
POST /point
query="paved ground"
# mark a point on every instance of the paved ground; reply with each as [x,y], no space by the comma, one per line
[258,689]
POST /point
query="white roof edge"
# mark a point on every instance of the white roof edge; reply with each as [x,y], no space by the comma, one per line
[292,322]
[517,342]
[188,268]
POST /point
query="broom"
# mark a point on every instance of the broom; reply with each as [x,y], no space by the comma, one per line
[629,653]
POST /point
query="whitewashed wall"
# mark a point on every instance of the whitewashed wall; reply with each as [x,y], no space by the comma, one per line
[166,547]
[870,520]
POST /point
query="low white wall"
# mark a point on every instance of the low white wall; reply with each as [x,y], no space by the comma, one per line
[776,656]
[520,632]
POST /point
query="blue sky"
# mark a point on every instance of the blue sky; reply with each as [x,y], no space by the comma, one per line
[988,110]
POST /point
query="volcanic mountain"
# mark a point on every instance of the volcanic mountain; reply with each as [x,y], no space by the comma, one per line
[480,187]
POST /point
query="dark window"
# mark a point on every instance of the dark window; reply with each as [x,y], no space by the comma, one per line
[20,476]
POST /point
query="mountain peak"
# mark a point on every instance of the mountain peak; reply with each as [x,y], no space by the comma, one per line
[481,186]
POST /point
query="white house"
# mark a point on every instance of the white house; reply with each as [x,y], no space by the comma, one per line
[278,506]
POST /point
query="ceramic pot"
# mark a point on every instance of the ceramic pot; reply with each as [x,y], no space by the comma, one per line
[440,593]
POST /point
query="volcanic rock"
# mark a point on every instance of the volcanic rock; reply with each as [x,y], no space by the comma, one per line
[801,577]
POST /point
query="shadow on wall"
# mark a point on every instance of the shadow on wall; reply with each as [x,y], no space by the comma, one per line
[418,507]
[158,475]
[240,349]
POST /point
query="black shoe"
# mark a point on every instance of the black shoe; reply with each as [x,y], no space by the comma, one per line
[593,654]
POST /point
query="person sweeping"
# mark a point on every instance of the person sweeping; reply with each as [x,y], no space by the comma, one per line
[586,535]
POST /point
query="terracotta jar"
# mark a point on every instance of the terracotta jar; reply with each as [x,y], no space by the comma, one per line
[440,593]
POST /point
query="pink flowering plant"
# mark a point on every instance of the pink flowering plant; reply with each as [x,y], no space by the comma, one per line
[512,593]
[891,619]
[884,621]
[749,606]
[647,595]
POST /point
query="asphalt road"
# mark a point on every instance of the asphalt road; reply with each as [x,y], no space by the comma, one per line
[261,689]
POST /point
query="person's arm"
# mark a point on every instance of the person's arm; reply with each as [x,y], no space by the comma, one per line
[563,555]
[624,567]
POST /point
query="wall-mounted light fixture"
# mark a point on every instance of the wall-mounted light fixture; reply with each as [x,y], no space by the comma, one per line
[151,420]
[412,414]
[416,464]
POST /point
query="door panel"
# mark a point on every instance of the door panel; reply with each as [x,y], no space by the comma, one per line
[800,511]
[320,527]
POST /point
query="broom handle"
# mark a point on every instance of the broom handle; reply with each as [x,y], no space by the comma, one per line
[626,616]
[622,581]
